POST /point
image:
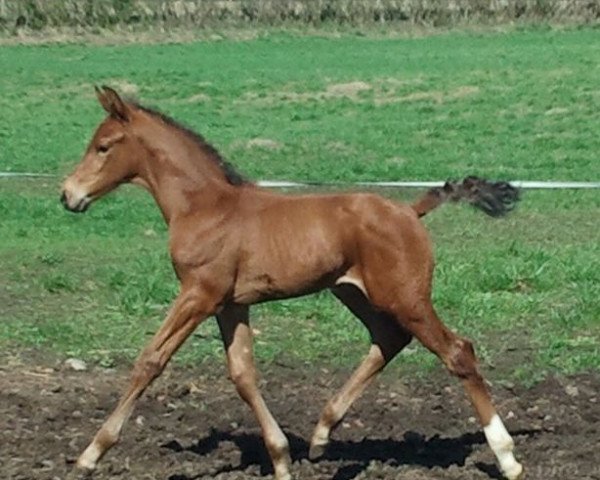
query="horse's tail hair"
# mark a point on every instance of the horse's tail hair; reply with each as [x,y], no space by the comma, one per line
[494,198]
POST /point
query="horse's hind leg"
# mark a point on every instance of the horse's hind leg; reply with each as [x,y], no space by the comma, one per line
[387,339]
[237,337]
[459,357]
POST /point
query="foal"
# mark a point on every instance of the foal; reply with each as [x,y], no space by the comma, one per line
[233,244]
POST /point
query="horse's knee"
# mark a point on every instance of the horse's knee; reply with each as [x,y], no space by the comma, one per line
[461,360]
[244,379]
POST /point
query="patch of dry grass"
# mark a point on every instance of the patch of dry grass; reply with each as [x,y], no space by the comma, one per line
[380,91]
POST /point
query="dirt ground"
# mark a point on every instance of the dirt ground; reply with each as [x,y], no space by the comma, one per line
[191,425]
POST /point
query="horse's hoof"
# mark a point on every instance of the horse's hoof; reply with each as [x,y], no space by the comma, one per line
[515,473]
[316,451]
[78,473]
[285,476]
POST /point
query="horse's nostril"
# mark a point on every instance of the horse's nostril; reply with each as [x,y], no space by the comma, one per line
[63,199]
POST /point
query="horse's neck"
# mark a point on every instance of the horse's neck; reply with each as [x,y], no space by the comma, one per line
[182,179]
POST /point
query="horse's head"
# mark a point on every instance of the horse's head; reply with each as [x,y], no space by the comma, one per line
[111,158]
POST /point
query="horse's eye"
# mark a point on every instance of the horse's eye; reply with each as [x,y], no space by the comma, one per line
[103,148]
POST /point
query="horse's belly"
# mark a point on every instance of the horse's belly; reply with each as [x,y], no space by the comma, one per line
[287,279]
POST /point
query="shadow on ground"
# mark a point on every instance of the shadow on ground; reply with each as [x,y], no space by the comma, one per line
[414,449]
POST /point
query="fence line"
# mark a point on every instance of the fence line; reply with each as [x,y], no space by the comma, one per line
[25,175]
[526,184]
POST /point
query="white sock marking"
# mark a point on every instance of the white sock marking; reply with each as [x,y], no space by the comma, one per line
[502,444]
[320,436]
[89,457]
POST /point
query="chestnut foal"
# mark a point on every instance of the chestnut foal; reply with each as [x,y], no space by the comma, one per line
[233,244]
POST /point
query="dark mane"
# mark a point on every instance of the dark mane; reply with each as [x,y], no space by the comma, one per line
[232,176]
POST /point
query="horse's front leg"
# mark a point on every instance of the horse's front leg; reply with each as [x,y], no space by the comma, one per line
[237,337]
[190,308]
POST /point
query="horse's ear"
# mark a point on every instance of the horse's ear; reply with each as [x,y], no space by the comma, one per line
[112,103]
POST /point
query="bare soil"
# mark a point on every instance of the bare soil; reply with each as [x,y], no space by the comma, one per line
[191,425]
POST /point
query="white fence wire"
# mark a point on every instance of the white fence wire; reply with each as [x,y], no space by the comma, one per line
[525,184]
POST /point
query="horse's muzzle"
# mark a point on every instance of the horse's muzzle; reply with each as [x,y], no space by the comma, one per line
[79,207]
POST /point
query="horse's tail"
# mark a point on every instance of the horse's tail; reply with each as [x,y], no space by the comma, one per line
[494,198]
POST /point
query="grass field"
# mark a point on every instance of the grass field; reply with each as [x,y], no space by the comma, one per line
[518,105]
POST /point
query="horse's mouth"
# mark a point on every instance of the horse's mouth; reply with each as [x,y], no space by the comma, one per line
[81,206]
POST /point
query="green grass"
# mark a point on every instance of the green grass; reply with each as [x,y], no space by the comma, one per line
[520,105]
